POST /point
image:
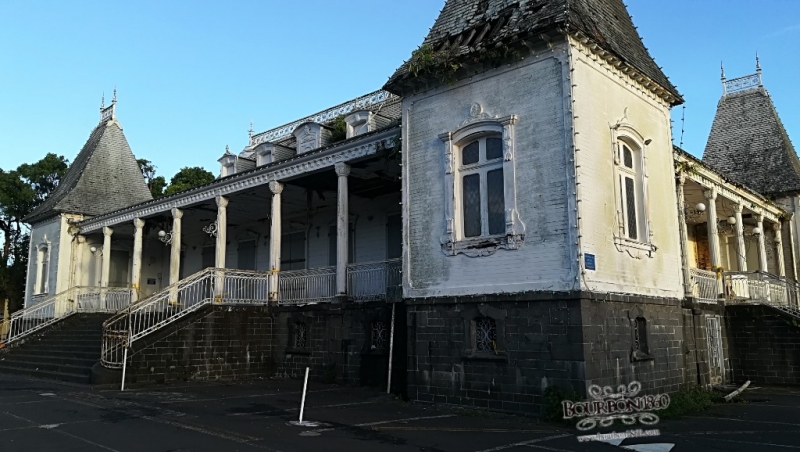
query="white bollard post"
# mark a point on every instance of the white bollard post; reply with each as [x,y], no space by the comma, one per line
[303,400]
[391,353]
[124,366]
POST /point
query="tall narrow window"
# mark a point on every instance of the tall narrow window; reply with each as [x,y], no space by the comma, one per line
[44,271]
[482,187]
[631,192]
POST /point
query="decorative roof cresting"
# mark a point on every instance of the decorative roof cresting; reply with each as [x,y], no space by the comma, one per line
[370,100]
[738,84]
[108,113]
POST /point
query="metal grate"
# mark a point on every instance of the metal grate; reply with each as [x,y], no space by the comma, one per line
[300,335]
[485,334]
[379,335]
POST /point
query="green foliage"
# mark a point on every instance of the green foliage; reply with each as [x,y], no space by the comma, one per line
[439,64]
[188,178]
[21,191]
[156,184]
[338,129]
[688,401]
[553,396]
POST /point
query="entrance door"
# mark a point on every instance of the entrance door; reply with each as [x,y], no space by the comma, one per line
[118,269]
[208,256]
[716,363]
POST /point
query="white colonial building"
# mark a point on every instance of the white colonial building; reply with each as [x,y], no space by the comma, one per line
[508,213]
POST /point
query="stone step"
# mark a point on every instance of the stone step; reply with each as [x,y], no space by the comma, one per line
[53,359]
[61,376]
[19,363]
[59,353]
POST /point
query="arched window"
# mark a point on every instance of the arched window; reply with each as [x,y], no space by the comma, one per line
[630,210]
[42,277]
[482,186]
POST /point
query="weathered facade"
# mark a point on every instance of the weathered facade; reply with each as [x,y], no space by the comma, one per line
[506,215]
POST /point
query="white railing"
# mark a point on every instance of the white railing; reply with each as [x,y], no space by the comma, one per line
[224,286]
[704,285]
[374,281]
[316,285]
[53,308]
[760,288]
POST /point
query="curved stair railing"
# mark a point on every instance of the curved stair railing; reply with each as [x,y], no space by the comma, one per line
[53,308]
[757,287]
[211,285]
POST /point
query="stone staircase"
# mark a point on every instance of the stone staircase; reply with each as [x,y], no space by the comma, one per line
[65,351]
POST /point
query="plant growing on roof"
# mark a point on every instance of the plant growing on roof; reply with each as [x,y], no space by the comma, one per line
[338,129]
[439,64]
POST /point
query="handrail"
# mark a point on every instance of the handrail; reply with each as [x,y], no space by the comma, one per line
[378,280]
[314,285]
[229,286]
[63,304]
[760,288]
[704,285]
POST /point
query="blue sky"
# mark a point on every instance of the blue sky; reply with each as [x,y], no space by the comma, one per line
[192,75]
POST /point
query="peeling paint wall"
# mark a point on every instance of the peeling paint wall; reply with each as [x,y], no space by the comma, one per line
[532,89]
[604,97]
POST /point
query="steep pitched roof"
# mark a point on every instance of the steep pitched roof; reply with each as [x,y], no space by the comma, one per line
[104,177]
[749,144]
[480,24]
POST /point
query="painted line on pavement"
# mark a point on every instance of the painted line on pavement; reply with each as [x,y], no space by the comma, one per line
[525,443]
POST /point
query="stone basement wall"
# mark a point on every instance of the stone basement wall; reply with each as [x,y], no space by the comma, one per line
[764,345]
[339,345]
[215,343]
[569,342]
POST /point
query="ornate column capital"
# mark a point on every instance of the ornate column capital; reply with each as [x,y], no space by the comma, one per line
[710,193]
[342,169]
[107,231]
[776,226]
[681,178]
[177,213]
[80,238]
[275,187]
[138,223]
[222,202]
[738,208]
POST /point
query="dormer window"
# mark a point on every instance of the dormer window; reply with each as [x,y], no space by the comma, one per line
[227,165]
[267,153]
[310,136]
[359,123]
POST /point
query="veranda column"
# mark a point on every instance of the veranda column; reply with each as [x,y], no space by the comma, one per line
[275,240]
[175,251]
[136,265]
[105,266]
[80,248]
[762,250]
[687,277]
[741,251]
[713,236]
[342,233]
[779,249]
[222,234]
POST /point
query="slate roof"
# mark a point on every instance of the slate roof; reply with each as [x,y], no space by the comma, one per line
[477,24]
[749,144]
[104,177]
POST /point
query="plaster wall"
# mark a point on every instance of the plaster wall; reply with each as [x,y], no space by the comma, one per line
[47,232]
[604,97]
[532,89]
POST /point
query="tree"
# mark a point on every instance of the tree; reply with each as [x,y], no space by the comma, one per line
[21,190]
[188,178]
[156,184]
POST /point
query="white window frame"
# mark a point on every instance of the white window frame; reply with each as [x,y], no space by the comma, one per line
[624,135]
[477,126]
[480,168]
[42,272]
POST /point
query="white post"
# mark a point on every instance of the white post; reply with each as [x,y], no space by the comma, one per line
[391,352]
[713,234]
[106,257]
[175,251]
[762,251]
[687,277]
[275,240]
[124,366]
[222,237]
[342,229]
[779,250]
[741,251]
[136,270]
[303,400]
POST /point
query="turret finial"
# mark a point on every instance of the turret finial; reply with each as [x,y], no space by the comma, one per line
[251,129]
[103,101]
[115,96]
[722,71]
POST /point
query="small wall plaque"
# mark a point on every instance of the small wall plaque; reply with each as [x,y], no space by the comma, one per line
[588,260]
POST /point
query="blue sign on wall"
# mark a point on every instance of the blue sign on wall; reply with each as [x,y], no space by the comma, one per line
[588,260]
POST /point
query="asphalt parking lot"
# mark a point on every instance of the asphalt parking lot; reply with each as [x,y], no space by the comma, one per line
[37,415]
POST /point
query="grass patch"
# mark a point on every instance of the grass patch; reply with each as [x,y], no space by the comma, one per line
[689,401]
[552,411]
